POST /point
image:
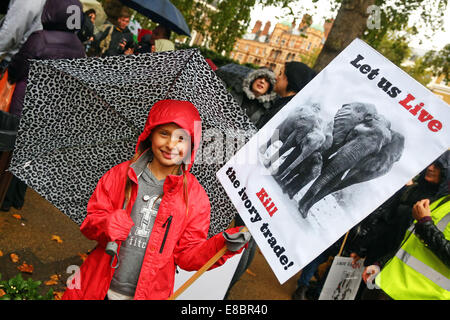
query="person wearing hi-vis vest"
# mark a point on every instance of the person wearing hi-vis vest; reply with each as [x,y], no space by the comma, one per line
[421,268]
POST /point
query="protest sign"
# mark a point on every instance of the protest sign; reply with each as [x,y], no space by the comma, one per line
[343,280]
[358,132]
[212,285]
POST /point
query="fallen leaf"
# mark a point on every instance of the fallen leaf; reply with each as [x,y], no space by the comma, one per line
[83,256]
[14,257]
[250,272]
[57,238]
[50,282]
[54,279]
[58,295]
[17,216]
[27,268]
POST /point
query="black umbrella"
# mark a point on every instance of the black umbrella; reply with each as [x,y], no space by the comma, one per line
[161,11]
[82,117]
[233,75]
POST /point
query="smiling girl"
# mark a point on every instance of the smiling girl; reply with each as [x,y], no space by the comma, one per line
[156,211]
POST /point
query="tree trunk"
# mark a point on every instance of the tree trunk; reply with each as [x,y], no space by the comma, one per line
[350,23]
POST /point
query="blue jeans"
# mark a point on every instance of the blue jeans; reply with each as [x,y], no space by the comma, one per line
[309,270]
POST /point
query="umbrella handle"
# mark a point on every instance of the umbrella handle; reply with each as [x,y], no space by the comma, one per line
[196,275]
[111,249]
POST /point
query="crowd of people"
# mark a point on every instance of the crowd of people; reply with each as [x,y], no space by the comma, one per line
[37,29]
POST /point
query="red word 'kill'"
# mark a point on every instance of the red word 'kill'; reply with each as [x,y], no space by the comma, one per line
[267,202]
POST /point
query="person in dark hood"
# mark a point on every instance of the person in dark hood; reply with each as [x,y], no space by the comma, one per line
[289,82]
[419,265]
[144,45]
[378,237]
[380,234]
[57,40]
[256,94]
[86,34]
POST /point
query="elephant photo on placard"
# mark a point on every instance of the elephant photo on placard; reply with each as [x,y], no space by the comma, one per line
[358,145]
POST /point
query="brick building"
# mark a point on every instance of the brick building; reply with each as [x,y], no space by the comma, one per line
[284,43]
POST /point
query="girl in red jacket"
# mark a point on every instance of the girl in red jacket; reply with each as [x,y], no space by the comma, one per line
[155,210]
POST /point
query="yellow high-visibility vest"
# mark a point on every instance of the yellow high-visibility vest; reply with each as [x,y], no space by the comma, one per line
[416,273]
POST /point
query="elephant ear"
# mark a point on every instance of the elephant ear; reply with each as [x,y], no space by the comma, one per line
[347,117]
[376,164]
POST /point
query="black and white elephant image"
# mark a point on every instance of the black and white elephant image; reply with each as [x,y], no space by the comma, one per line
[364,147]
[347,117]
[299,174]
[301,130]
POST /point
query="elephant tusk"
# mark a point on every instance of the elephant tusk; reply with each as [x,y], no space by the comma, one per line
[332,155]
[345,174]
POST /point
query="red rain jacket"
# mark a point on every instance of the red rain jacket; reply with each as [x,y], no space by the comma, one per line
[176,238]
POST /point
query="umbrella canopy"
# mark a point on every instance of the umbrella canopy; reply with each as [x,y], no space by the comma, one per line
[82,117]
[161,11]
[233,75]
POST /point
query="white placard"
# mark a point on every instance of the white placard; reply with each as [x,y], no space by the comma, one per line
[211,285]
[385,129]
[343,280]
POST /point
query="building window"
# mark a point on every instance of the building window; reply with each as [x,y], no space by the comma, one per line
[309,46]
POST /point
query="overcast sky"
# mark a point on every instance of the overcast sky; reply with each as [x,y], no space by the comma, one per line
[322,10]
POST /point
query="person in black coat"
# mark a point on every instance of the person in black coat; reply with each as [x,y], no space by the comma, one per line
[64,44]
[294,76]
[379,235]
[115,39]
[86,34]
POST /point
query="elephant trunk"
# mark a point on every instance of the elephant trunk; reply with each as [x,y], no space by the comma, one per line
[346,158]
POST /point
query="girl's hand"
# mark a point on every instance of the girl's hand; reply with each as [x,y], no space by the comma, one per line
[119,225]
[236,241]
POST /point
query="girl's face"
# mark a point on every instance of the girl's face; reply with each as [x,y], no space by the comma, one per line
[170,145]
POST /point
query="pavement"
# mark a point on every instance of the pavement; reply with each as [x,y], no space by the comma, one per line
[33,232]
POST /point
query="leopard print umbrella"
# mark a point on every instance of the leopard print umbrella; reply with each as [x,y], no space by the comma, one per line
[81,117]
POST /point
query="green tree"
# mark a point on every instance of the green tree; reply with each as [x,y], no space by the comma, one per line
[393,16]
[439,61]
[419,71]
[395,47]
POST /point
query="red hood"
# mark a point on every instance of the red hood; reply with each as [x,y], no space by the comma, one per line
[183,113]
